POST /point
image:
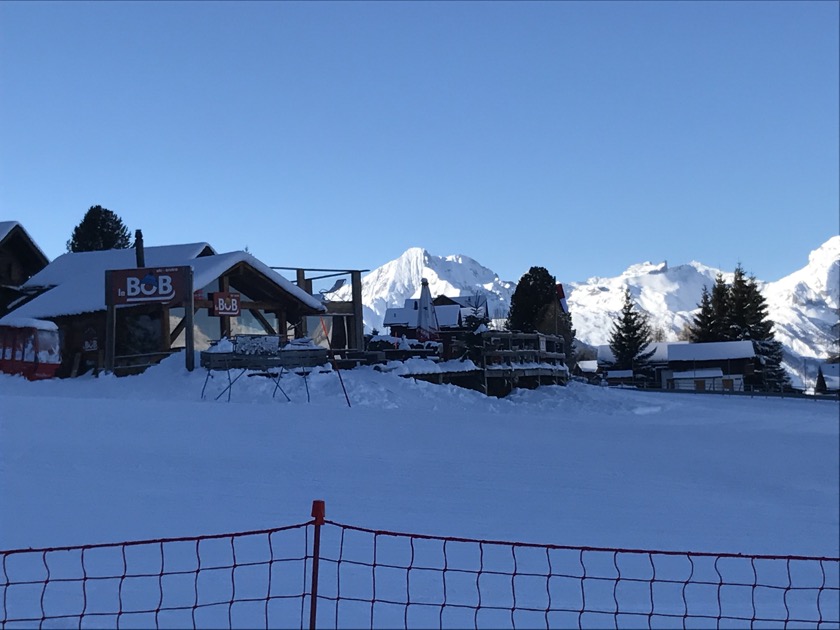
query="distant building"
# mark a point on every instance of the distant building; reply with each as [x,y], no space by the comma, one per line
[831,375]
[715,366]
[451,313]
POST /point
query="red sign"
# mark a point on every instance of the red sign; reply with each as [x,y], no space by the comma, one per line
[224,304]
[141,286]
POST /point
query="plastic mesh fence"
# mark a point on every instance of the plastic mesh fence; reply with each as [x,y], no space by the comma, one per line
[384,579]
[248,580]
[381,579]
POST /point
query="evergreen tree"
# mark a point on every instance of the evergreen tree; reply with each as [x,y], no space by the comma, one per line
[477,315]
[748,320]
[701,329]
[99,229]
[740,312]
[820,387]
[535,290]
[719,326]
[630,336]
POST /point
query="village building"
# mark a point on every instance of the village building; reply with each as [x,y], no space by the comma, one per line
[20,259]
[451,313]
[71,292]
[831,377]
[714,366]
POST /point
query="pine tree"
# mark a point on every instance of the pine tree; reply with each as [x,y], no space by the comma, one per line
[748,320]
[99,229]
[701,329]
[820,387]
[739,316]
[535,290]
[630,336]
[719,326]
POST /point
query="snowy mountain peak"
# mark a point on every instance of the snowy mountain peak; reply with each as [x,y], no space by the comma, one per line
[645,268]
[453,275]
[803,305]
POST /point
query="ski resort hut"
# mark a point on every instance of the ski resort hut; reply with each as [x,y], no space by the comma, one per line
[71,292]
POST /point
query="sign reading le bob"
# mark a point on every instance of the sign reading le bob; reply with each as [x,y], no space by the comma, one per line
[224,303]
[141,286]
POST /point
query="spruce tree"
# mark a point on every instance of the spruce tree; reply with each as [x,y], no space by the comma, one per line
[739,316]
[702,328]
[99,229]
[534,291]
[719,326]
[630,336]
[748,320]
[820,387]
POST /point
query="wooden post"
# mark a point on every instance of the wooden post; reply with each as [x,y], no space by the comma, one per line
[110,326]
[318,513]
[358,333]
[306,285]
[224,320]
[189,316]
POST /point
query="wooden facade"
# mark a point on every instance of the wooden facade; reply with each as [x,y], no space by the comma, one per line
[20,259]
[148,332]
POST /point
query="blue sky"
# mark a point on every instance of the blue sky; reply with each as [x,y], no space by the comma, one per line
[582,137]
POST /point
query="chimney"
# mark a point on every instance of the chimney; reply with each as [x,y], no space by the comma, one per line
[139,251]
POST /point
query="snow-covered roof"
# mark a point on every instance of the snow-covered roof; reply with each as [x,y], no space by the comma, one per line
[704,373]
[716,350]
[406,316]
[79,278]
[683,351]
[72,265]
[447,314]
[28,322]
[620,374]
[588,366]
[207,268]
[6,228]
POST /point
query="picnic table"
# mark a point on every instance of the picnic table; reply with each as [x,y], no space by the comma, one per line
[260,355]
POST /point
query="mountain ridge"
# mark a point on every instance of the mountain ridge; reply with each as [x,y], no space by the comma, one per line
[803,305]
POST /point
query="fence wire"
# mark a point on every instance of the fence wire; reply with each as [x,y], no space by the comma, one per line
[381,579]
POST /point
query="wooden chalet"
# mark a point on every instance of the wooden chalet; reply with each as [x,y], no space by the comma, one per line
[714,366]
[71,293]
[20,259]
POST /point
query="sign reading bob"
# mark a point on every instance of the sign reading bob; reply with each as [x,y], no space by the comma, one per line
[224,303]
[139,286]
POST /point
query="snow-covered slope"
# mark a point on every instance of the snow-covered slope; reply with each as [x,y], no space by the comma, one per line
[803,305]
[668,294]
[398,280]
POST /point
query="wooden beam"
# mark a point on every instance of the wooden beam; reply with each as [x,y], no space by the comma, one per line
[339,308]
[180,327]
[262,320]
